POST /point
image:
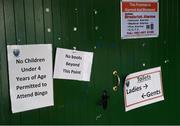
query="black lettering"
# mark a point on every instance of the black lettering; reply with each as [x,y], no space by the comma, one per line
[76,57]
[143,78]
[67,56]
[72,64]
[41,77]
[28,69]
[134,89]
[150,94]
[38,93]
[21,96]
[75,72]
[66,71]
[18,61]
[22,78]
[34,60]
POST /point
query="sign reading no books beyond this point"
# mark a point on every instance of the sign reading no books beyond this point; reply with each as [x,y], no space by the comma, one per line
[73,64]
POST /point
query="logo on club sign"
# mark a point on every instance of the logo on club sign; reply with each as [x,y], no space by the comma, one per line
[16,52]
[127,83]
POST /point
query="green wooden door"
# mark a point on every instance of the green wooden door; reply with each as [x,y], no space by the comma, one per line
[92,25]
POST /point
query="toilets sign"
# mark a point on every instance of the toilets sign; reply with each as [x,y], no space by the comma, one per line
[143,88]
[30,76]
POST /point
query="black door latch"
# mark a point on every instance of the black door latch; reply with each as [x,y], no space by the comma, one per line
[104,100]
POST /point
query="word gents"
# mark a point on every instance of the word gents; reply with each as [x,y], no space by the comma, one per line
[30,76]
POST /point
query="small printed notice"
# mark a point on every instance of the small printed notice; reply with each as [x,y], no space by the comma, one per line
[143,88]
[30,76]
[73,64]
[139,19]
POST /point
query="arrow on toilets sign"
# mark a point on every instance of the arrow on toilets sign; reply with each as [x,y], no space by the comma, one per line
[143,88]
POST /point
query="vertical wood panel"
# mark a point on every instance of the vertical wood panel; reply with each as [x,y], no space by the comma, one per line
[39,21]
[47,13]
[9,21]
[83,44]
[2,57]
[29,19]
[68,39]
[57,42]
[20,22]
[10,39]
[29,117]
[48,21]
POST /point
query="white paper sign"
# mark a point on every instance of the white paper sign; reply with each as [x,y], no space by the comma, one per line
[139,19]
[73,65]
[30,76]
[143,88]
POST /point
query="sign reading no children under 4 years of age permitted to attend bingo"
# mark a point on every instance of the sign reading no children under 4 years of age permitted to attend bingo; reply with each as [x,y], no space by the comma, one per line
[143,88]
[73,64]
[139,19]
[30,76]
